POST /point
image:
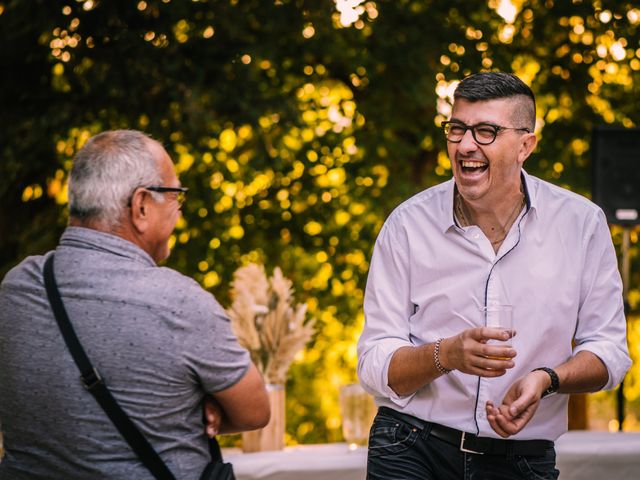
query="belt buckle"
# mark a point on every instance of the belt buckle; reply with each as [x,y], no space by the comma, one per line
[466,450]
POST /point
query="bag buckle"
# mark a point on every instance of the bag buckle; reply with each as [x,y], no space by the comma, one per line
[467,450]
[91,379]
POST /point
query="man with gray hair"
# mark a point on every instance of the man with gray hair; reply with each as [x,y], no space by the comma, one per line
[162,343]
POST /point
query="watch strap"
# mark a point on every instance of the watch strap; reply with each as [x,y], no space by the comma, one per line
[555,381]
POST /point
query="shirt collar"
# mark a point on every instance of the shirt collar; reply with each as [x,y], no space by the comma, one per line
[90,239]
[449,221]
[530,192]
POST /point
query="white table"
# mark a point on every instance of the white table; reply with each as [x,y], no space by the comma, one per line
[582,455]
[330,461]
[586,455]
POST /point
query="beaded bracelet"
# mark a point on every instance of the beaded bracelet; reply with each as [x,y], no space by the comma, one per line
[436,357]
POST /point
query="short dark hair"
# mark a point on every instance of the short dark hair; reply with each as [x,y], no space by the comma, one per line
[495,85]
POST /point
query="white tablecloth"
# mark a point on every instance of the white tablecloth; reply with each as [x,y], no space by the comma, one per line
[586,455]
[332,461]
[582,455]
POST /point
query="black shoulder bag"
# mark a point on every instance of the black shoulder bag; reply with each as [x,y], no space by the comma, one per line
[93,382]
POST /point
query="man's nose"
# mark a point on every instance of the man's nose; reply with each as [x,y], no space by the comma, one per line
[468,143]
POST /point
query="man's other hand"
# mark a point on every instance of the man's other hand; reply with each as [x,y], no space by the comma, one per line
[212,416]
[518,406]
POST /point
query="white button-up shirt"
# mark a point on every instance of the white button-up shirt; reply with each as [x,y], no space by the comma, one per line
[429,278]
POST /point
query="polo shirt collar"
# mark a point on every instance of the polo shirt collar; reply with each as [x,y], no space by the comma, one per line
[90,239]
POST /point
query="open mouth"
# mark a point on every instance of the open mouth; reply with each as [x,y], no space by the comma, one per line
[470,166]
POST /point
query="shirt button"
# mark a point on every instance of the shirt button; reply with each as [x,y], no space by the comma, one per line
[476,236]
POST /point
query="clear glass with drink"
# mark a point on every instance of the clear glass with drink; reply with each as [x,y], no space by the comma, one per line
[499,317]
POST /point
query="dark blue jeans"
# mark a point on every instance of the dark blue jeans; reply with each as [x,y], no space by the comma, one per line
[399,451]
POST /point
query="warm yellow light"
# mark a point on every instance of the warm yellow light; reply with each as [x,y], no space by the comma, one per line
[232,165]
[208,32]
[313,228]
[617,51]
[322,257]
[342,218]
[308,31]
[506,33]
[605,16]
[228,140]
[236,232]
[507,10]
[350,11]
[211,279]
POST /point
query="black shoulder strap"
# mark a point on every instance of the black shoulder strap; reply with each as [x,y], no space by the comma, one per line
[93,382]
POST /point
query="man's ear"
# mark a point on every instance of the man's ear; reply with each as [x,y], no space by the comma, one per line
[527,146]
[140,203]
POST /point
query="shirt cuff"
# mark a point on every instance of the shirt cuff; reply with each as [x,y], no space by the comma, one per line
[374,371]
[615,360]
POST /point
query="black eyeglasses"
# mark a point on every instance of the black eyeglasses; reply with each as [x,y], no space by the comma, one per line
[483,133]
[181,192]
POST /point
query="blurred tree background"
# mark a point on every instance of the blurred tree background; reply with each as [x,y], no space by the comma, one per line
[298,125]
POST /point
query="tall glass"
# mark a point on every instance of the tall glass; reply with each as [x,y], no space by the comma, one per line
[499,317]
[358,410]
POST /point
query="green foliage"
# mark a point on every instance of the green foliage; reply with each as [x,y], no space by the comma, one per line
[296,135]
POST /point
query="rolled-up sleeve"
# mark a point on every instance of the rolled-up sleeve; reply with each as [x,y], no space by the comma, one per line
[602,327]
[387,308]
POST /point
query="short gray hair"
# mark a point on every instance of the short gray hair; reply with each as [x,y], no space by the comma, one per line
[106,172]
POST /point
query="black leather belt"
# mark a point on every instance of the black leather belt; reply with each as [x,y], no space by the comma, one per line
[470,443]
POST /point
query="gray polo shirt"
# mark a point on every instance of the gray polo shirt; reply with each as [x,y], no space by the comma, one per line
[159,340]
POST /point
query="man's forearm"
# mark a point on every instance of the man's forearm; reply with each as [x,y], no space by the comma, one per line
[411,368]
[582,373]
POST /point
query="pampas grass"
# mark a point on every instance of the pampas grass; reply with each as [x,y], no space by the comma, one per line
[266,320]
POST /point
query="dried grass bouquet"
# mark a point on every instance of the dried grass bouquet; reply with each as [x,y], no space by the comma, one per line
[266,321]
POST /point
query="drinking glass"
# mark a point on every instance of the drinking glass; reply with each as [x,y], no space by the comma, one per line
[358,410]
[499,317]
